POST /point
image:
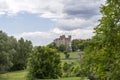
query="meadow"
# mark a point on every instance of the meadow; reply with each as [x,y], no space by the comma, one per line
[21,75]
[73,55]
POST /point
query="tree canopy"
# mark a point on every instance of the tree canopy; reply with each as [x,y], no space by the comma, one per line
[102,58]
[13,53]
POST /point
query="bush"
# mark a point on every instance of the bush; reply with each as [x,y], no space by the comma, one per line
[44,63]
[62,48]
[71,70]
[66,55]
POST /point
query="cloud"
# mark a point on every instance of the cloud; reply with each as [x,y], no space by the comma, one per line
[37,38]
[44,8]
[74,17]
[80,14]
[82,8]
[72,24]
[52,8]
[76,34]
[69,14]
[78,23]
[44,38]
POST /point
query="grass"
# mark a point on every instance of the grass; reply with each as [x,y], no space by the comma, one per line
[70,61]
[21,75]
[17,75]
[72,55]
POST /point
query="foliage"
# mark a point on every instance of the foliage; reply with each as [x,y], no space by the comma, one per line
[44,63]
[52,45]
[79,44]
[23,50]
[66,55]
[74,44]
[13,52]
[62,48]
[71,69]
[6,51]
[102,58]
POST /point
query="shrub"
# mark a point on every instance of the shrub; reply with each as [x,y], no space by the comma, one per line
[66,55]
[44,63]
[71,70]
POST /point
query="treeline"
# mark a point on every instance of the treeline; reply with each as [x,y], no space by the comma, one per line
[13,53]
[79,44]
[76,45]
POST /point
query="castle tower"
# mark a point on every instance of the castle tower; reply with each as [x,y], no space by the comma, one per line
[63,40]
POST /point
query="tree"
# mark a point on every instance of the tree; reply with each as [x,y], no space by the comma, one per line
[7,50]
[44,63]
[102,58]
[23,49]
[74,44]
[62,48]
[52,45]
[67,55]
[79,44]
[13,53]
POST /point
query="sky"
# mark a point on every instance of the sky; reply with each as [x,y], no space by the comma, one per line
[41,21]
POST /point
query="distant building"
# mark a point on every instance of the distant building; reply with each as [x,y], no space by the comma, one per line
[63,40]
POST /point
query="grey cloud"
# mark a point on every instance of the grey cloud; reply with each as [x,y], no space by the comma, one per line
[81,26]
[88,13]
[72,24]
[68,28]
[82,8]
[58,10]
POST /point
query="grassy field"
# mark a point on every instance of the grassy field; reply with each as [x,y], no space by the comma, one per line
[72,55]
[21,75]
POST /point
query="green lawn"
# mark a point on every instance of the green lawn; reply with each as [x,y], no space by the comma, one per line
[20,75]
[17,75]
[72,55]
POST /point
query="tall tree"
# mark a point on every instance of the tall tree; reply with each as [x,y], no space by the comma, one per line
[6,51]
[102,58]
[23,50]
[13,53]
[74,44]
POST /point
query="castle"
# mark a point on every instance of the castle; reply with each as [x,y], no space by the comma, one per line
[63,40]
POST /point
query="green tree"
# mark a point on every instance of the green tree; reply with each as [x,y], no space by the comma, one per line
[102,58]
[62,48]
[13,53]
[23,49]
[71,69]
[74,44]
[79,44]
[67,55]
[44,63]
[83,44]
[52,45]
[7,50]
